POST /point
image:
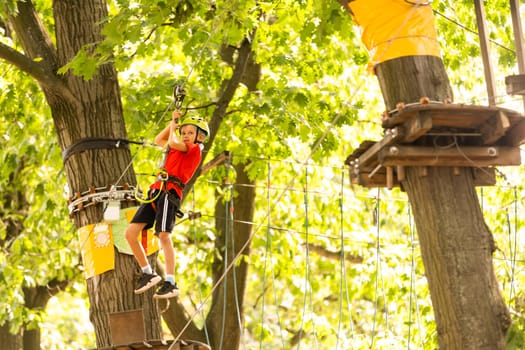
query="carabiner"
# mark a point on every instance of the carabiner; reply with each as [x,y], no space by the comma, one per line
[178,95]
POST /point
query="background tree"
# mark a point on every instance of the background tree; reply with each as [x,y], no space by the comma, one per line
[456,244]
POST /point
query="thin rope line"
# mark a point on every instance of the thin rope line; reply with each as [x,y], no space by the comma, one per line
[308,269]
[342,275]
[225,273]
[513,249]
[173,102]
[471,30]
[305,201]
[232,231]
[199,284]
[412,277]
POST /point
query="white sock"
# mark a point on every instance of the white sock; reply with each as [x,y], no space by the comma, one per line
[170,279]
[147,269]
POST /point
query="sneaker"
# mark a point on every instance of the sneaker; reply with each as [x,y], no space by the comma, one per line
[146,281]
[167,290]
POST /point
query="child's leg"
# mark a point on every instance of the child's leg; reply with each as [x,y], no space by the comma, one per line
[169,289]
[169,252]
[132,235]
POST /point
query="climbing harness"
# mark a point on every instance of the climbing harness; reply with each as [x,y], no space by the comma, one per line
[164,179]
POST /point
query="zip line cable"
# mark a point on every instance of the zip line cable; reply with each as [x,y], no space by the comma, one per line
[457,23]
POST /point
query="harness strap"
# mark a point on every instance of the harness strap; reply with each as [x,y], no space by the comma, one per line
[172,179]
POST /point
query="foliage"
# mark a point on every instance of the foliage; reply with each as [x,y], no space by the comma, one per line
[314,104]
[32,200]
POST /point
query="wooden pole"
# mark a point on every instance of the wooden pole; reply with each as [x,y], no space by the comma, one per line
[518,37]
[484,44]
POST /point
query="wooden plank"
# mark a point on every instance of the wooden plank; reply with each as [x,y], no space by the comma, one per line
[518,34]
[495,129]
[463,120]
[464,156]
[458,114]
[484,176]
[518,40]
[400,173]
[485,54]
[371,154]
[219,159]
[127,327]
[416,127]
[378,180]
[389,177]
[515,84]
[516,135]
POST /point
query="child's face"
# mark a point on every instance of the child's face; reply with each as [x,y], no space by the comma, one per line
[188,133]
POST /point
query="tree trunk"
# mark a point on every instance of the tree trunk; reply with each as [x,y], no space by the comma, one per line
[100,115]
[456,244]
[8,340]
[82,110]
[37,298]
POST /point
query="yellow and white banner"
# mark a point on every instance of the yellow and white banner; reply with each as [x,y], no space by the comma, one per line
[97,242]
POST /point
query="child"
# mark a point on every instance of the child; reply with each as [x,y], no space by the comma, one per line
[183,156]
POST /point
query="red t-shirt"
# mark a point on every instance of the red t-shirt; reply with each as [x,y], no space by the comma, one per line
[181,165]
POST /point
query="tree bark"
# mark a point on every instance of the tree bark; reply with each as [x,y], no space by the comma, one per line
[9,340]
[456,244]
[87,109]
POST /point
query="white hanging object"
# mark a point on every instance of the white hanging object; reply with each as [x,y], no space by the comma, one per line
[112,212]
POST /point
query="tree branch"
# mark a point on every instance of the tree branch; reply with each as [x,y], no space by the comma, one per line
[40,58]
[322,251]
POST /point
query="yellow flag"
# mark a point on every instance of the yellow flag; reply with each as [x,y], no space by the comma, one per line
[96,245]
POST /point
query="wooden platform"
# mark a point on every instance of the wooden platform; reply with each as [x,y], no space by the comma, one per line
[515,84]
[127,332]
[439,134]
[162,345]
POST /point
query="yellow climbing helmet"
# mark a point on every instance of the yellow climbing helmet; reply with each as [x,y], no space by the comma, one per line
[197,121]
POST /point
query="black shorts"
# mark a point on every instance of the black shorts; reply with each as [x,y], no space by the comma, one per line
[161,212]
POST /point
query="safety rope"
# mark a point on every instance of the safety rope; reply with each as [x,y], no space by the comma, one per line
[231,222]
[513,248]
[307,282]
[343,284]
[225,257]
[377,211]
[268,257]
[199,284]
[413,292]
